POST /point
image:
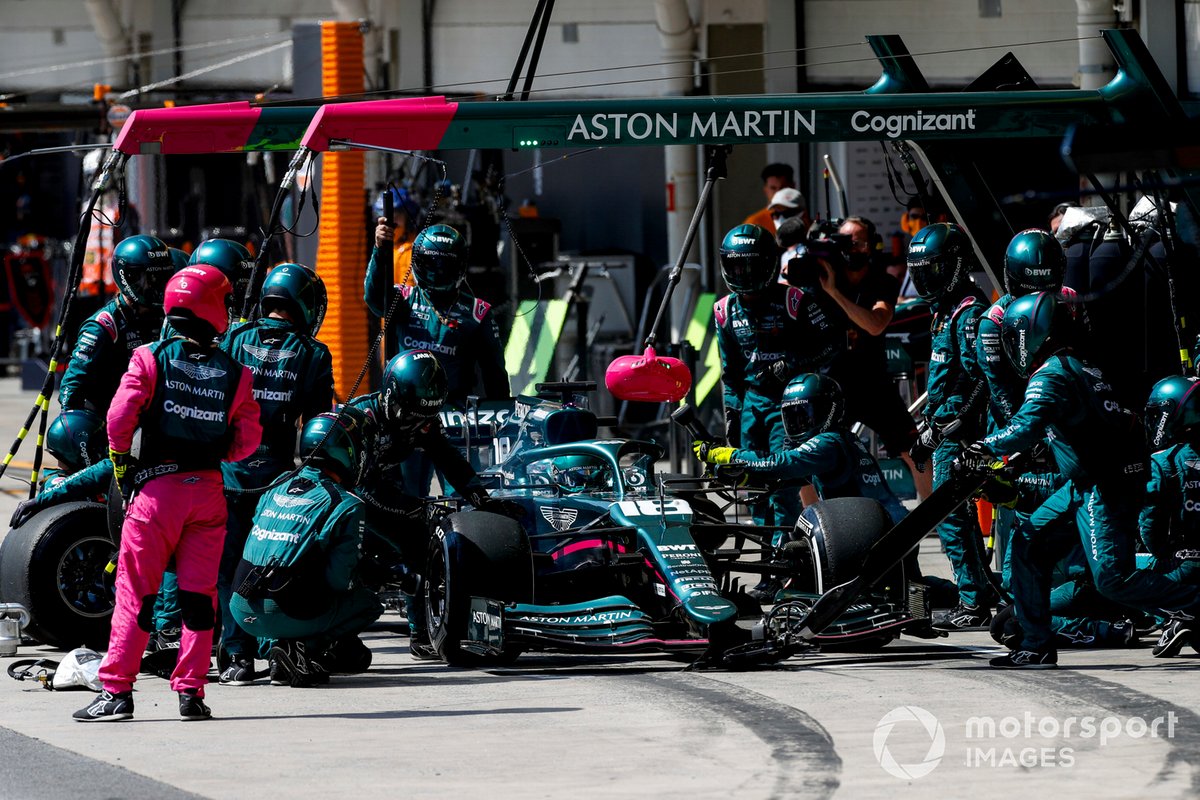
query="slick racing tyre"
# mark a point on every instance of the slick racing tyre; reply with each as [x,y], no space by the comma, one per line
[54,565]
[115,511]
[842,530]
[473,554]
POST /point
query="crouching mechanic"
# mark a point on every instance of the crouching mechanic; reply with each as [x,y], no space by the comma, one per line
[403,418]
[296,586]
[293,383]
[819,449]
[77,439]
[195,408]
[939,261]
[1066,403]
[1170,520]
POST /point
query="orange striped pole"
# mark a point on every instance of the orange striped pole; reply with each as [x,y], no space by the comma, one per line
[342,241]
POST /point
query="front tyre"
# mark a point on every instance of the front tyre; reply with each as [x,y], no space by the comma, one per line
[54,565]
[478,554]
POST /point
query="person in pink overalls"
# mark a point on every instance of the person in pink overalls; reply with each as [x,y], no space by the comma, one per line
[195,407]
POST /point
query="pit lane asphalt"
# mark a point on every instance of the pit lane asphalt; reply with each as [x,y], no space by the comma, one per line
[562,725]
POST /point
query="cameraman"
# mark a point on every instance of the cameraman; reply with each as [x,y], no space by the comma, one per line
[866,297]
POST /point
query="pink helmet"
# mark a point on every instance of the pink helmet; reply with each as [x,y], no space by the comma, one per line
[198,294]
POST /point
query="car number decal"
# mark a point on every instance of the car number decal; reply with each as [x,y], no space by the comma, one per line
[653,508]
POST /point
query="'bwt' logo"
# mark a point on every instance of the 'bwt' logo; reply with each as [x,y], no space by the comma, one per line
[931,727]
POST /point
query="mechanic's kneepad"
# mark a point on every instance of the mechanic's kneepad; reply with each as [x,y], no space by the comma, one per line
[197,611]
[145,616]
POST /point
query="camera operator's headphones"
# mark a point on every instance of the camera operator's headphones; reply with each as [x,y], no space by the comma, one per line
[874,240]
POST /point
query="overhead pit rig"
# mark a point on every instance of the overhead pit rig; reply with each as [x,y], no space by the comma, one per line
[952,133]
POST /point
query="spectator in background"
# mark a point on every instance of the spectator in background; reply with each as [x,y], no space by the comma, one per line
[774,177]
[787,204]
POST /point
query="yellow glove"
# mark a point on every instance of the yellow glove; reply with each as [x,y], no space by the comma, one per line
[719,455]
[121,462]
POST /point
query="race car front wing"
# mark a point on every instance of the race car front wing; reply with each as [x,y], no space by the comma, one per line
[607,623]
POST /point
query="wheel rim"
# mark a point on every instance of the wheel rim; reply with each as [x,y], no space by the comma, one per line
[83,582]
[435,590]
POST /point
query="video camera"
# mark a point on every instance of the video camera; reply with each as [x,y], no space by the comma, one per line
[804,268]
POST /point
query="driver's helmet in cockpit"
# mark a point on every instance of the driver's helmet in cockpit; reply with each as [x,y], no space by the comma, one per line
[581,473]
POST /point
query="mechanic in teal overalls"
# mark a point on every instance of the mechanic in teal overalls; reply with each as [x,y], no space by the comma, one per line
[76,438]
[403,418]
[939,261]
[296,587]
[818,448]
[1033,262]
[141,267]
[767,334]
[293,383]
[438,315]
[1170,520]
[1067,402]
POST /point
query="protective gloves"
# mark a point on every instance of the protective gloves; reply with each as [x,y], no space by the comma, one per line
[781,372]
[123,466]
[475,495]
[24,510]
[711,453]
[922,449]
[976,460]
[999,489]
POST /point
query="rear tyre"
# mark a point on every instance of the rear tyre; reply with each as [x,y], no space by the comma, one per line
[54,565]
[474,554]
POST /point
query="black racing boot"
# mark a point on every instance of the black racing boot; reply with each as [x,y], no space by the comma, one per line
[420,648]
[1175,635]
[291,664]
[1005,629]
[240,671]
[1043,658]
[347,656]
[192,706]
[162,652]
[107,707]
[964,618]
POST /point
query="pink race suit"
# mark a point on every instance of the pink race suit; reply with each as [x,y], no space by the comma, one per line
[180,513]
